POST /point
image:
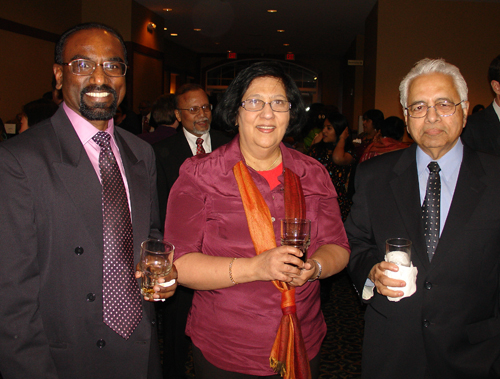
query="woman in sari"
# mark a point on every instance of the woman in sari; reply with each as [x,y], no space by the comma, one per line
[256,309]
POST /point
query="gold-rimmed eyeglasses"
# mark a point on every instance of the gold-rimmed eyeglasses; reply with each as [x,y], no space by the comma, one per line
[443,109]
[86,67]
[255,105]
[194,110]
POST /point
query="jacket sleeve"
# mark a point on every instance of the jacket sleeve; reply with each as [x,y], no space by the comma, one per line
[24,348]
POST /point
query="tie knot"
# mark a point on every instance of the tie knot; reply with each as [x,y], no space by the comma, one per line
[102,139]
[199,141]
[434,167]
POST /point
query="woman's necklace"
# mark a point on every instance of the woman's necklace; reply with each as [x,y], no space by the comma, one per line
[270,167]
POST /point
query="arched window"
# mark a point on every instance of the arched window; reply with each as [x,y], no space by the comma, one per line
[218,78]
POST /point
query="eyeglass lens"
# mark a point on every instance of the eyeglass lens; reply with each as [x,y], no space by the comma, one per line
[87,67]
[442,109]
[254,105]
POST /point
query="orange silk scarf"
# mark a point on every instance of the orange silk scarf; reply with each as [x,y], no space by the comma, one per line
[288,355]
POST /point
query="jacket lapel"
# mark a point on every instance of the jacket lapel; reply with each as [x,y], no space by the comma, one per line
[468,193]
[137,178]
[406,193]
[78,177]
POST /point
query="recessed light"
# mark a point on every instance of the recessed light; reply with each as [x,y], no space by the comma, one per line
[164,28]
[173,34]
[280,31]
[197,30]
[286,44]
[167,9]
[272,10]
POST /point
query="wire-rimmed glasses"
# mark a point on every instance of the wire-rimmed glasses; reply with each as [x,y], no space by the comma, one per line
[255,105]
[194,110]
[443,109]
[86,67]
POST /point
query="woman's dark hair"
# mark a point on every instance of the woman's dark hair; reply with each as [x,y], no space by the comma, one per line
[377,116]
[61,43]
[39,110]
[339,123]
[393,127]
[227,109]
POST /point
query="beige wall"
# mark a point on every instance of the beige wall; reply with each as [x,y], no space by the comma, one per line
[148,83]
[26,63]
[410,30]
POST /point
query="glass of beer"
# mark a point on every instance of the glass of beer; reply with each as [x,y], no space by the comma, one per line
[296,232]
[157,257]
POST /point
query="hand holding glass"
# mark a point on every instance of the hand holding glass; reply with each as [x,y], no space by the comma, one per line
[156,262]
[296,232]
[398,251]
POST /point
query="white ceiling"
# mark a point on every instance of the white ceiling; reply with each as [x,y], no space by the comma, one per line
[312,27]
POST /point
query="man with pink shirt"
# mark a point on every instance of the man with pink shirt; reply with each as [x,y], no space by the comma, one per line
[60,240]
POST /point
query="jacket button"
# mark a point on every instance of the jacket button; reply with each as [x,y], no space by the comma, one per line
[428,285]
[90,297]
[426,323]
[101,343]
[78,250]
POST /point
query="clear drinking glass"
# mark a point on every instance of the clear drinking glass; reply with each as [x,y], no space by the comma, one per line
[296,232]
[398,251]
[157,257]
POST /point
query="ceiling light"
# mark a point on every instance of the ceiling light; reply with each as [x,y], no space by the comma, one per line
[272,10]
[280,31]
[164,28]
[286,44]
[197,30]
[167,9]
[173,34]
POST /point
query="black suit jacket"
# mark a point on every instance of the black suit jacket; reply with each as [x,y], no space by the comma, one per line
[449,328]
[170,155]
[482,132]
[51,257]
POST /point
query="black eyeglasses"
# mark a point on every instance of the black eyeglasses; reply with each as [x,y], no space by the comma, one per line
[193,110]
[86,67]
[443,109]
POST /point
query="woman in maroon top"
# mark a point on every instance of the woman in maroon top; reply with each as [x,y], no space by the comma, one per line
[236,308]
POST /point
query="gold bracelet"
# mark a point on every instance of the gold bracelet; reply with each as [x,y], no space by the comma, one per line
[231,271]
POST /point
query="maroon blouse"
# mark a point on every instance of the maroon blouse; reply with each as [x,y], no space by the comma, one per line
[235,327]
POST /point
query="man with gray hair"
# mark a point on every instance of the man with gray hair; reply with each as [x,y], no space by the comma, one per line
[443,197]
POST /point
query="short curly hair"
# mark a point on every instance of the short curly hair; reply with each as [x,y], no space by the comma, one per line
[227,110]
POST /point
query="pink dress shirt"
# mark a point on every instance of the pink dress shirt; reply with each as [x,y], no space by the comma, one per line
[235,327]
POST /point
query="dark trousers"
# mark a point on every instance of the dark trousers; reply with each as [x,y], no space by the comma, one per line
[205,370]
[174,312]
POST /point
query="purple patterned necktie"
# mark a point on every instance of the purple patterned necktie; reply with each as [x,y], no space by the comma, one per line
[122,308]
[430,209]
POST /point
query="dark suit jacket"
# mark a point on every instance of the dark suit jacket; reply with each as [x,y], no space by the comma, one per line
[482,132]
[51,257]
[170,155]
[450,326]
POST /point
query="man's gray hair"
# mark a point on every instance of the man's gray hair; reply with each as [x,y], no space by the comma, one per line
[429,66]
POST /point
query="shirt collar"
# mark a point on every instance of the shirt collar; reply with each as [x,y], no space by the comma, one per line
[496,108]
[448,163]
[83,128]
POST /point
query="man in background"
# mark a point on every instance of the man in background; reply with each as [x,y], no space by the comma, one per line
[482,132]
[194,112]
